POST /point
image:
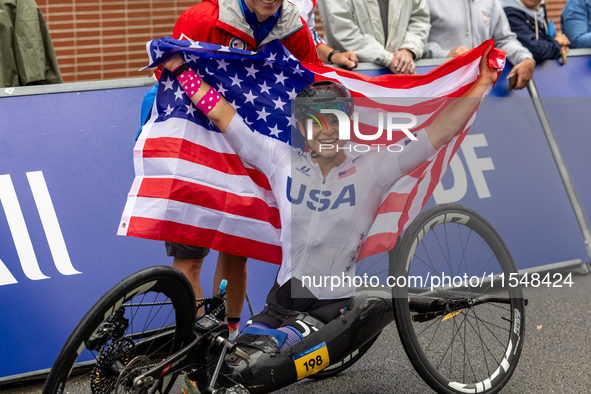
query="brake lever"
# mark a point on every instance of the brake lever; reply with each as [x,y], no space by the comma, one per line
[232,348]
[240,353]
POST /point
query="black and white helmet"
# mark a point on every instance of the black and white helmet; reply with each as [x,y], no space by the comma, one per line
[322,94]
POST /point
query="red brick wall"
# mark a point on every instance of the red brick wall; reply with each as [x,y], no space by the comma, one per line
[105,39]
[554,8]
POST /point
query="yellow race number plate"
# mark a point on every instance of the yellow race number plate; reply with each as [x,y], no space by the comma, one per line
[311,360]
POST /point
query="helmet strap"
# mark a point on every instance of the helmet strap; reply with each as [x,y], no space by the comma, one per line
[313,153]
[316,155]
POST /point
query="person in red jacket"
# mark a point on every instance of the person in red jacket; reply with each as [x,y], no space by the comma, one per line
[242,24]
[248,24]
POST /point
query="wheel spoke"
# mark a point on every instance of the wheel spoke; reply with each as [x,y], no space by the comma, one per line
[498,306]
[377,261]
[478,258]
[463,249]
[451,342]
[464,346]
[429,258]
[485,324]
[447,242]
[478,333]
[448,261]
[483,268]
[489,323]
[430,325]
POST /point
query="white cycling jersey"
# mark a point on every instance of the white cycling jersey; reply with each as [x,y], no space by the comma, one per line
[324,221]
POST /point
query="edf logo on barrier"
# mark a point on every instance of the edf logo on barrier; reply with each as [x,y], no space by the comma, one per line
[476,167]
[20,233]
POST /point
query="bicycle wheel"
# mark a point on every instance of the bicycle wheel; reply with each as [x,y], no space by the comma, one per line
[463,335]
[347,362]
[136,324]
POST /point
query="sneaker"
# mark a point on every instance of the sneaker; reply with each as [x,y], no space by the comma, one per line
[190,387]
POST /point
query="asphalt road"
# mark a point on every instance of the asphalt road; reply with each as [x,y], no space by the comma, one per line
[556,357]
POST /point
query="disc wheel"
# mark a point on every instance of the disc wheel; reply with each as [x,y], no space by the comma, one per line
[147,316]
[463,334]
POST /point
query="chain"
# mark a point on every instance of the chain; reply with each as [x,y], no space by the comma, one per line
[162,303]
[218,309]
[139,368]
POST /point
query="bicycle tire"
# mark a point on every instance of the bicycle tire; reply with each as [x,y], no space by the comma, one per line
[347,362]
[488,337]
[162,297]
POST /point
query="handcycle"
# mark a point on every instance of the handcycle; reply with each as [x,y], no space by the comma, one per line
[463,336]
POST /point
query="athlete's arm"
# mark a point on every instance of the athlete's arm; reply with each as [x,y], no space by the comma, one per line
[449,121]
[261,151]
[222,113]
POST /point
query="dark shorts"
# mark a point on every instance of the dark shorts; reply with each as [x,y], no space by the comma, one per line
[185,251]
[293,296]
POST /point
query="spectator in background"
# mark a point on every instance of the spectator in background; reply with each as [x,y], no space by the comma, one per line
[460,25]
[576,23]
[391,33]
[327,54]
[527,19]
[26,52]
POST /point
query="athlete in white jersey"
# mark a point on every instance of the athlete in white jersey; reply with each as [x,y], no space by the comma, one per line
[327,199]
[325,214]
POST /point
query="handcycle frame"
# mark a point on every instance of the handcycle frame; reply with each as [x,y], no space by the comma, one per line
[219,365]
[273,369]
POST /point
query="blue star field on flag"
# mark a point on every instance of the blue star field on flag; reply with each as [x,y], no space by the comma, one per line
[260,85]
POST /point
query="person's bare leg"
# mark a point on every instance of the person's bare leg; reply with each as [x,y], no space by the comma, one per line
[192,269]
[235,270]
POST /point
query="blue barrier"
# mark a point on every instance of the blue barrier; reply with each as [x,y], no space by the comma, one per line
[569,119]
[565,90]
[571,80]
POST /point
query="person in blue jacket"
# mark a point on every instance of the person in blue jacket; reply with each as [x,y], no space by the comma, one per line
[576,22]
[527,19]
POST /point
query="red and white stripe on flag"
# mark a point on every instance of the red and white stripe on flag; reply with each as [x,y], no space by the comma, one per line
[191,188]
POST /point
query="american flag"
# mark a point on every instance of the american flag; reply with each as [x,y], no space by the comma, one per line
[190,186]
[345,174]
